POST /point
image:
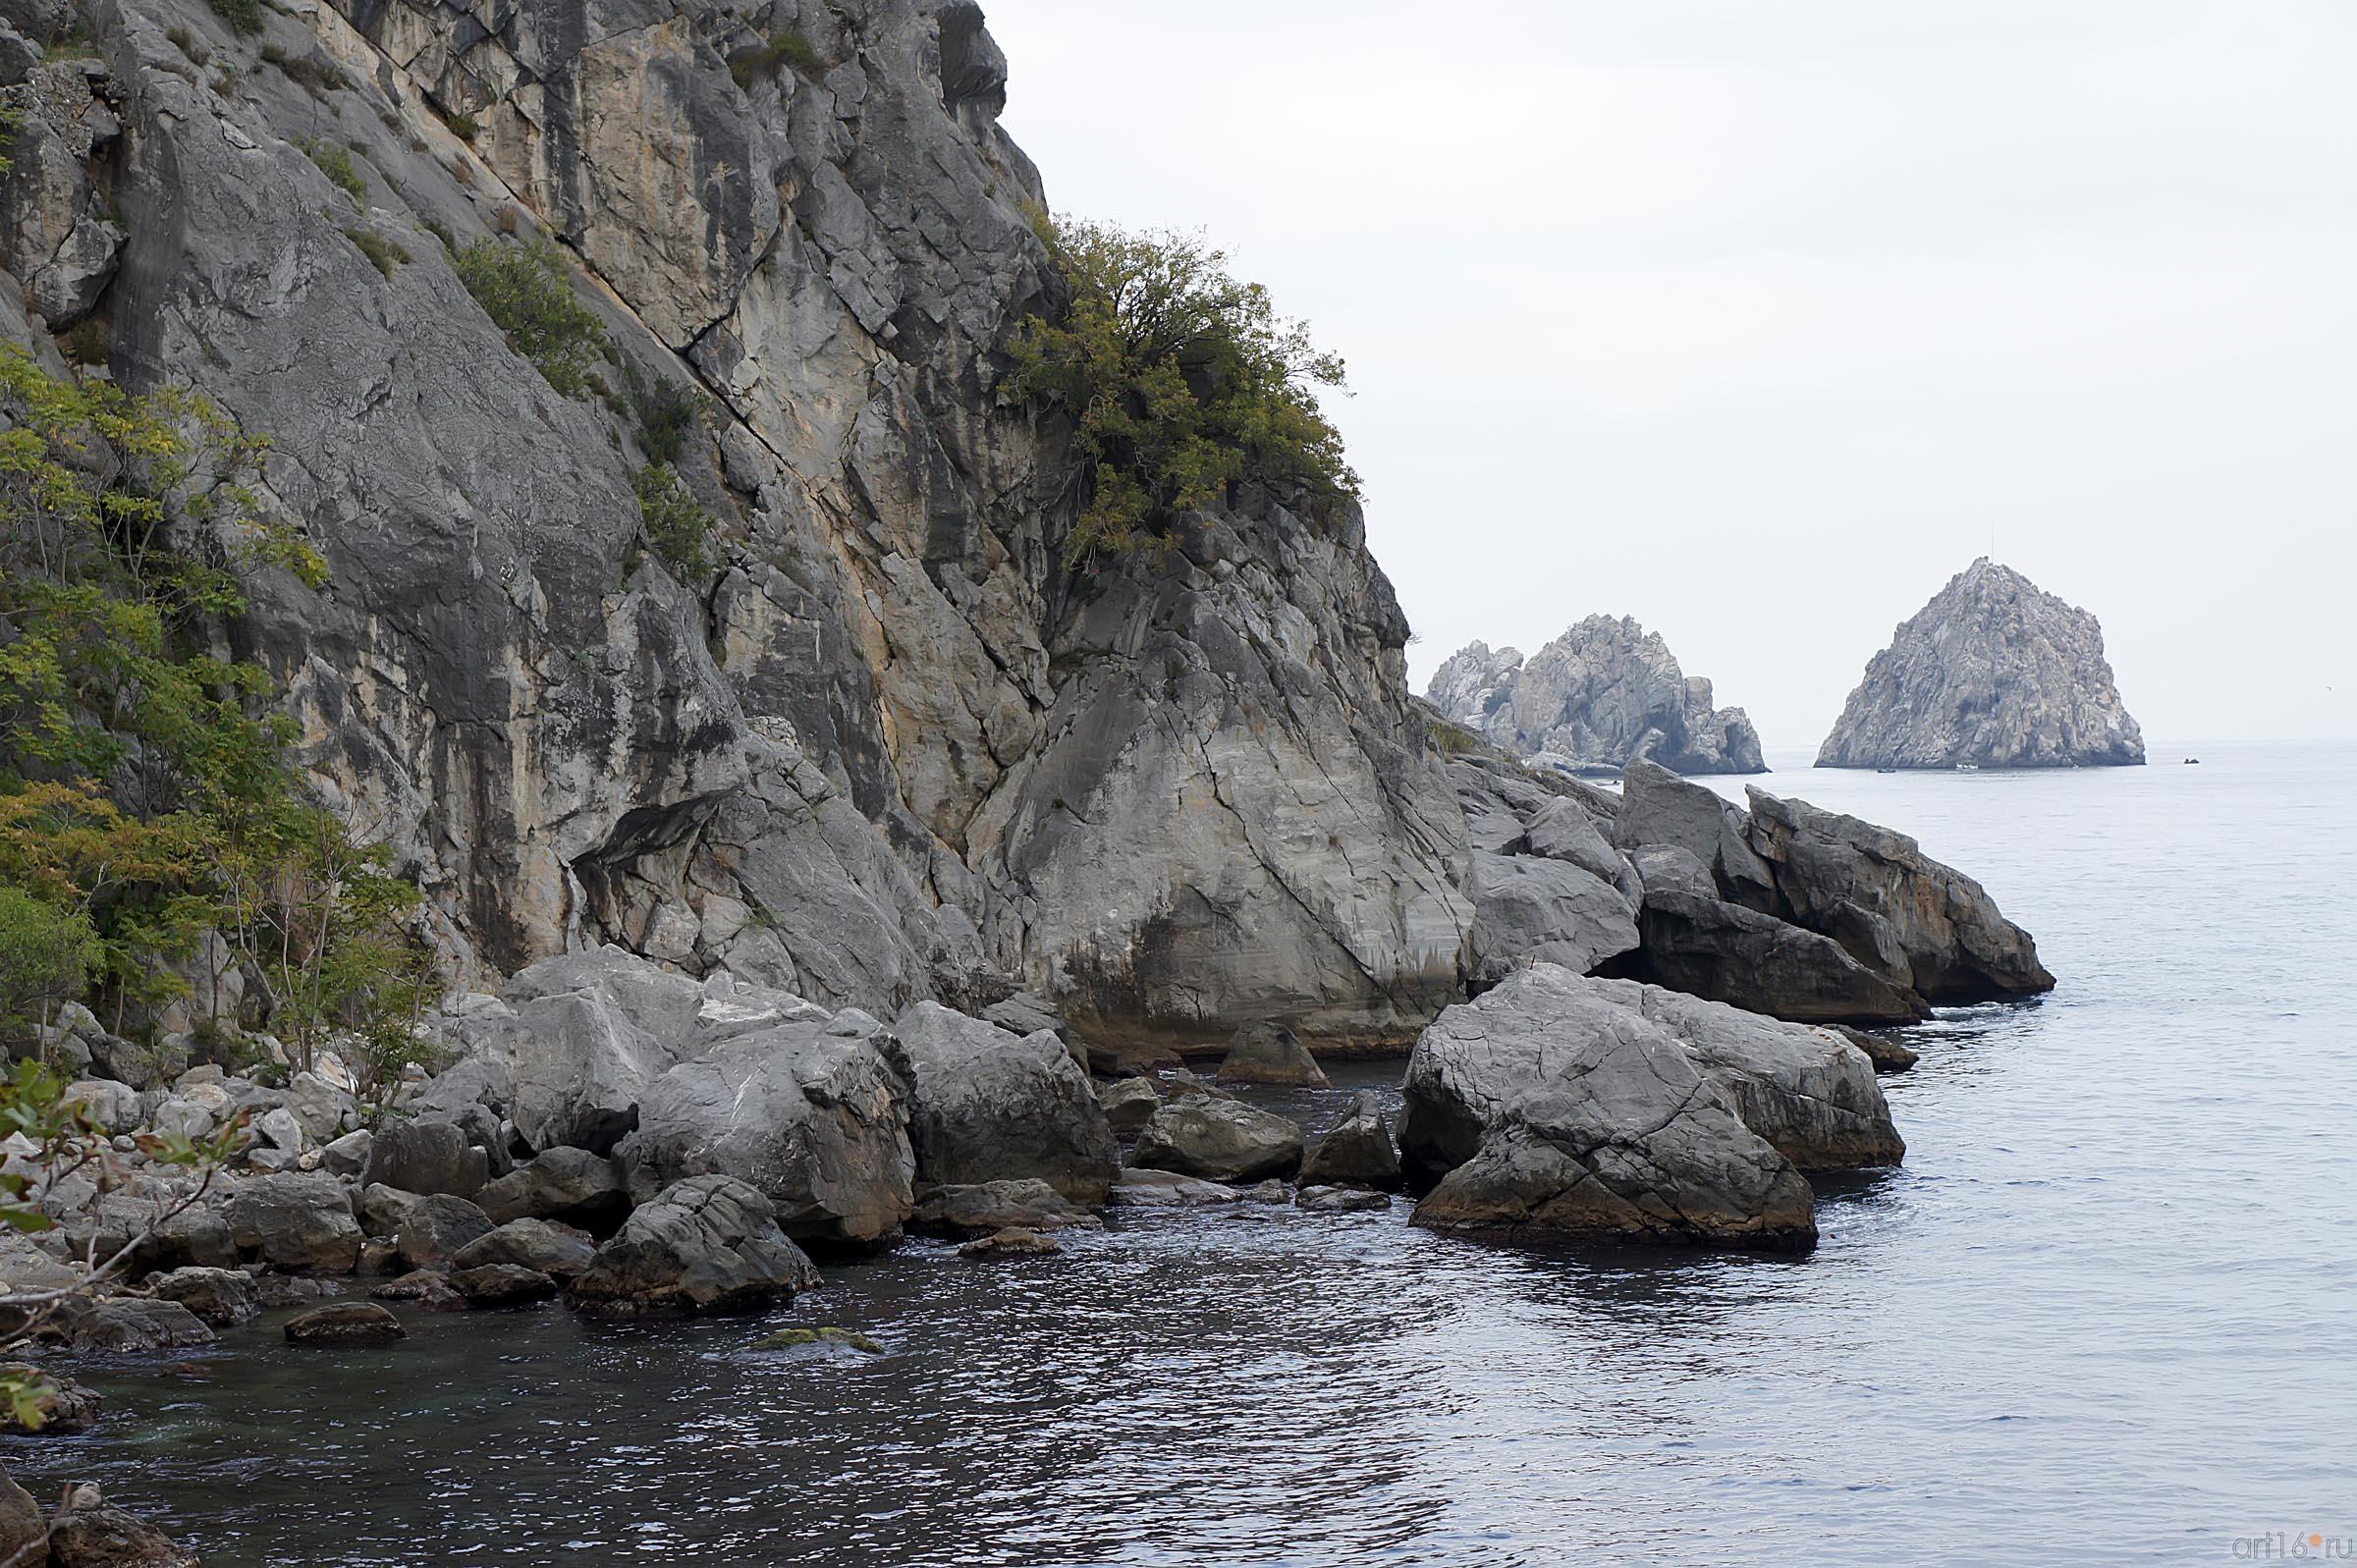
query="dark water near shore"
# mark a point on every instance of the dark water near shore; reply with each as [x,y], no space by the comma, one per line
[2107,1311]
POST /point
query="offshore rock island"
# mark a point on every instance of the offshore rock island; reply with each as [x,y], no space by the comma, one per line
[1993,672]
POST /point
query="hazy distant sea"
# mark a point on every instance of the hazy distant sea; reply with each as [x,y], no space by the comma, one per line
[2107,1313]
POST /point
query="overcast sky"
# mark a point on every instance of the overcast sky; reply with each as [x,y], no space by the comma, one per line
[1758,319]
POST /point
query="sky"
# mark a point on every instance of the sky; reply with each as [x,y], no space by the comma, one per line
[1759,319]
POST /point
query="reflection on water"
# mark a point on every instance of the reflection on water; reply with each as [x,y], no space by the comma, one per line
[2103,1311]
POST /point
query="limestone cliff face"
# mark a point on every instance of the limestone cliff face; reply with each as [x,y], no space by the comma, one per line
[1603,694]
[891,748]
[1995,674]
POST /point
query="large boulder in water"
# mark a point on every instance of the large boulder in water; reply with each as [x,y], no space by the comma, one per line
[1270,1054]
[990,1106]
[1528,907]
[1545,1109]
[1659,808]
[1219,1140]
[1993,673]
[1737,956]
[1810,1092]
[705,1244]
[1891,904]
[812,1114]
[1357,1150]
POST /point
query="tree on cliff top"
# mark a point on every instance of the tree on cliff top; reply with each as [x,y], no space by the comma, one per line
[1180,381]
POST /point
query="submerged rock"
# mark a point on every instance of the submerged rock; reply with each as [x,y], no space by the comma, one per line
[1269,1052]
[1991,673]
[541,1245]
[1012,1242]
[1139,1188]
[345,1323]
[60,1406]
[502,1284]
[1219,1140]
[995,1205]
[1544,1109]
[795,1339]
[705,1244]
[1339,1200]
[1603,695]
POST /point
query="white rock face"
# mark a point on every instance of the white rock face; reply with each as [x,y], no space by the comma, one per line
[1603,695]
[1992,672]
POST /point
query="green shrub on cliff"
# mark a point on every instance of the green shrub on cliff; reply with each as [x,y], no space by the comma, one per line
[1180,382]
[242,15]
[679,526]
[147,795]
[787,50]
[525,287]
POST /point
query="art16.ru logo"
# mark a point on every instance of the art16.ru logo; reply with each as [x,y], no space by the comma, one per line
[2284,1546]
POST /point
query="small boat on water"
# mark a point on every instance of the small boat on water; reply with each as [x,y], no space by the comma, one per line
[1968,767]
[2193,762]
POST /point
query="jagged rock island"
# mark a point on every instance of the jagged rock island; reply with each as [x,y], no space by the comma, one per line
[1993,672]
[1603,694]
[619,672]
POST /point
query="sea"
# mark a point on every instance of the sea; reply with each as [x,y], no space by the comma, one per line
[2105,1313]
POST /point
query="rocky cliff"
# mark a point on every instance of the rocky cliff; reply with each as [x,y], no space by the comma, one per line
[1603,694]
[890,746]
[1993,674]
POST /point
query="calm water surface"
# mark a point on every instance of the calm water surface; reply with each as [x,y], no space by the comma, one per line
[2107,1313]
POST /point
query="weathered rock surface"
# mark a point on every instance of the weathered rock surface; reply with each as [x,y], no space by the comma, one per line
[1600,696]
[1140,1188]
[298,1221]
[345,1323]
[1357,1150]
[1271,1054]
[134,1325]
[990,1106]
[218,1296]
[1129,1104]
[91,1533]
[1732,955]
[502,1284]
[984,1206]
[563,1183]
[1219,1140]
[1991,673]
[541,1245]
[815,1115]
[705,1244]
[1532,908]
[1542,1108]
[434,1229]
[1012,1242]
[426,1154]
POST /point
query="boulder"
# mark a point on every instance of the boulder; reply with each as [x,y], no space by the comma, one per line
[383,1207]
[541,1245]
[21,1524]
[502,1284]
[134,1325]
[1891,906]
[435,1228]
[1737,956]
[299,1220]
[1138,1188]
[1809,1092]
[1526,907]
[1546,1109]
[989,1105]
[1129,1104]
[343,1323]
[1357,1150]
[93,1534]
[1219,1140]
[811,1114]
[706,1244]
[219,1296]
[1011,1242]
[277,1129]
[347,1156]
[1338,1199]
[427,1154]
[983,1207]
[322,1109]
[1665,869]
[429,1289]
[113,1106]
[563,1183]
[1270,1052]
[60,1406]
[1659,808]
[1565,830]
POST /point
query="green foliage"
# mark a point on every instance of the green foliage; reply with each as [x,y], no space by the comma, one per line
[47,955]
[462,123]
[787,50]
[335,161]
[678,527]
[385,254]
[88,342]
[242,15]
[666,411]
[315,73]
[524,286]
[146,795]
[1180,382]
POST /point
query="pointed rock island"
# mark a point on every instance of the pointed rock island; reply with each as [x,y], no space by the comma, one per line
[1993,672]
[1603,694]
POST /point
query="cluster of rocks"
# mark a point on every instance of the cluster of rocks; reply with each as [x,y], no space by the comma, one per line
[1784,909]
[1993,672]
[1603,694]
